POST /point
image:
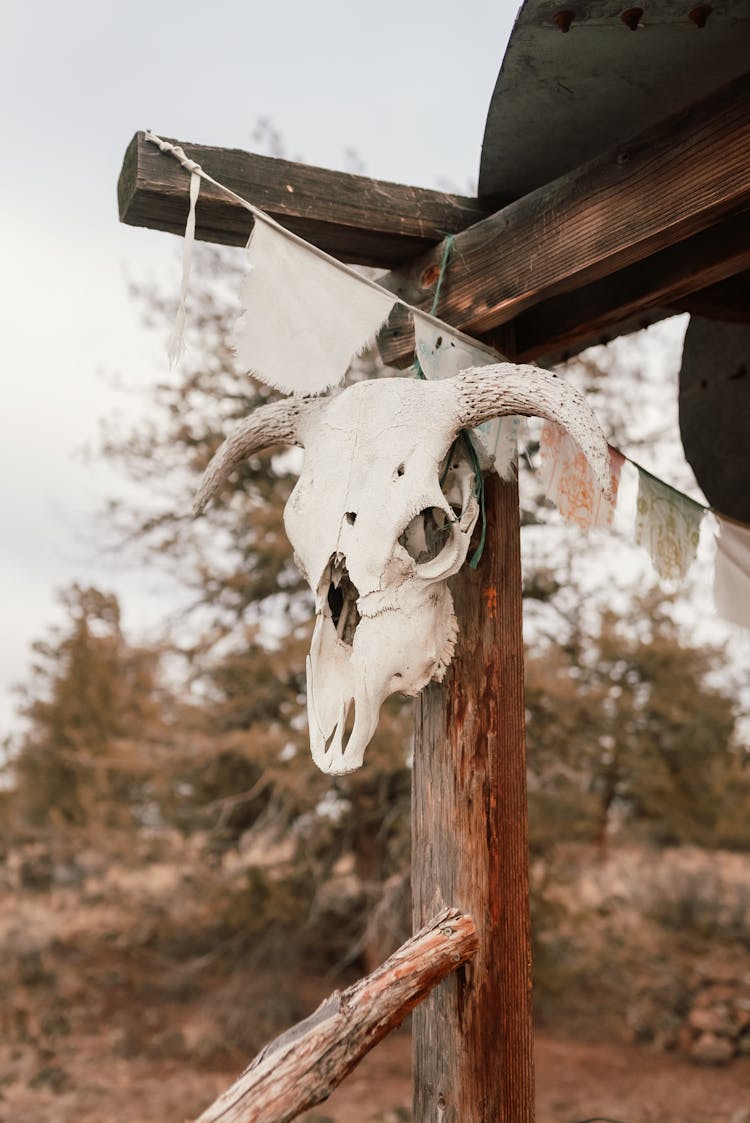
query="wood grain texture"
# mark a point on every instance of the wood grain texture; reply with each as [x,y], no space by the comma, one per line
[303,1066]
[666,185]
[355,218]
[473,1048]
[567,323]
[728,301]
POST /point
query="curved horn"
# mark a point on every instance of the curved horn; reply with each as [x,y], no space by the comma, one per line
[505,388]
[272,424]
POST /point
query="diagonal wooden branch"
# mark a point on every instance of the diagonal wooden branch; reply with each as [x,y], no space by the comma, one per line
[303,1066]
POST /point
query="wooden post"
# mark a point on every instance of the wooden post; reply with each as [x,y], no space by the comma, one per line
[473,1045]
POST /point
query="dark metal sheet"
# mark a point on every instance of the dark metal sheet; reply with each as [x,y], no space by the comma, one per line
[715,411]
[562,97]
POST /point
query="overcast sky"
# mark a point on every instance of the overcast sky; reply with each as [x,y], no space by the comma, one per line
[406,84]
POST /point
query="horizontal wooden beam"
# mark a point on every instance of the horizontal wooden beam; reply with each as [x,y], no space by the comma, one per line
[568,323]
[728,301]
[357,219]
[625,206]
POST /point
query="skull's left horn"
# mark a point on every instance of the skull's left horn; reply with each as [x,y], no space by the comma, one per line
[273,424]
[507,389]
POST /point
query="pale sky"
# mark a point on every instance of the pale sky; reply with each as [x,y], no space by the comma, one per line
[405,84]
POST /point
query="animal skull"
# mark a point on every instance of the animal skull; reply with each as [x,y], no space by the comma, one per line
[380,518]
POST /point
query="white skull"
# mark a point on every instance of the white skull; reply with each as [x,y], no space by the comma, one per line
[380,518]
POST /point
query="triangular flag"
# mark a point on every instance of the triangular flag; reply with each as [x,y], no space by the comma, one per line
[441,355]
[732,573]
[304,319]
[570,482]
[667,525]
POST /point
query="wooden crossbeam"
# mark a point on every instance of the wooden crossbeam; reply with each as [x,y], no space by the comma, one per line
[665,186]
[357,219]
[728,300]
[576,319]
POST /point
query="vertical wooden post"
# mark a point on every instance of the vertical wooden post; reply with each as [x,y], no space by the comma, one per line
[473,1045]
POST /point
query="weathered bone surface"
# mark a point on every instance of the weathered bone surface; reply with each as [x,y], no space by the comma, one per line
[380,518]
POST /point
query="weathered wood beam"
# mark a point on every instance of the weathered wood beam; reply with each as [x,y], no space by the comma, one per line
[357,219]
[576,319]
[630,203]
[303,1066]
[728,301]
[472,1040]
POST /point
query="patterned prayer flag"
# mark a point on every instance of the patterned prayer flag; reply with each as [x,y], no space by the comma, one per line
[305,319]
[570,482]
[732,573]
[667,525]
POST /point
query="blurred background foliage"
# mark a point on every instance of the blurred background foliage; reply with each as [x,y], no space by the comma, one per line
[193,750]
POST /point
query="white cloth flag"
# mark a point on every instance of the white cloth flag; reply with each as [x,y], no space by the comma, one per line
[732,572]
[304,319]
[441,355]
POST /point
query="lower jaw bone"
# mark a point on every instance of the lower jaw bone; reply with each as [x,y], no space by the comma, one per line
[329,699]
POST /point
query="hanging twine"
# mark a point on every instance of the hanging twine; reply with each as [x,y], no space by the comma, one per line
[176,344]
[417,366]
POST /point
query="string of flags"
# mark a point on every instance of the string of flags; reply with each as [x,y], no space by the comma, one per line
[668,523]
[298,341]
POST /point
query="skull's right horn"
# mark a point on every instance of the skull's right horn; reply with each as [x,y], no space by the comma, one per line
[273,424]
[507,389]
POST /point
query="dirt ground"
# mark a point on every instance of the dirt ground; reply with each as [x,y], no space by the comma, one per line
[104,1020]
[576,1080]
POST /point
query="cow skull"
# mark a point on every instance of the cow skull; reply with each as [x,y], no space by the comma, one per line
[380,518]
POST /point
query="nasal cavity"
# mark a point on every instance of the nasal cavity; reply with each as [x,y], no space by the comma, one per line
[351,517]
[342,601]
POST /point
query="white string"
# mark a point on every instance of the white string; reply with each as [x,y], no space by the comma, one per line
[191,166]
[198,173]
[176,345]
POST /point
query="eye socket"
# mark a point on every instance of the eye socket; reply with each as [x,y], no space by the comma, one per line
[426,535]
